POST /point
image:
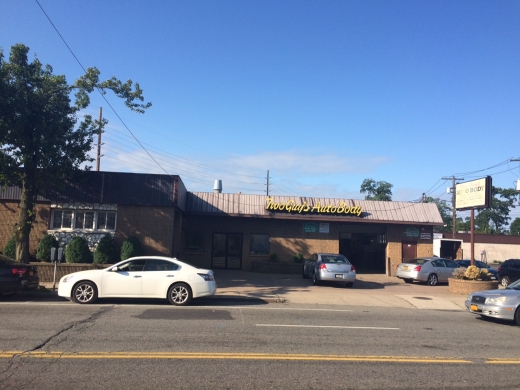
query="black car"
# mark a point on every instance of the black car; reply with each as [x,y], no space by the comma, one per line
[509,271]
[17,276]
[466,263]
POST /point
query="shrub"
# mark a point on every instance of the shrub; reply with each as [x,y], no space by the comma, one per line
[105,252]
[77,251]
[298,258]
[459,273]
[472,272]
[10,248]
[131,248]
[43,252]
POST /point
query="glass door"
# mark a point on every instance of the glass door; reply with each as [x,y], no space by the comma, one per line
[227,251]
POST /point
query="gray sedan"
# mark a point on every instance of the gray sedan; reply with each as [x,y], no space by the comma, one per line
[329,267]
[431,270]
[502,304]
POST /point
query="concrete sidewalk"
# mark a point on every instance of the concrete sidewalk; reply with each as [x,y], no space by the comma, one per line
[368,290]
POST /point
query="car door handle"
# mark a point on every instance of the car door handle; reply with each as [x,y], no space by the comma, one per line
[170,276]
[137,276]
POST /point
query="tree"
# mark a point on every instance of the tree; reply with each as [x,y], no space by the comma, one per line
[376,190]
[495,219]
[445,212]
[42,141]
[514,228]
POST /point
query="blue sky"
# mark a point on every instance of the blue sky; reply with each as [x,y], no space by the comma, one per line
[323,94]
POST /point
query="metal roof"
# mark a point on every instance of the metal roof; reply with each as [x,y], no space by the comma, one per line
[113,187]
[211,203]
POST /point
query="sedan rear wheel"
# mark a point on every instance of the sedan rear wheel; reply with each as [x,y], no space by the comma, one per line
[408,280]
[315,281]
[432,280]
[179,294]
[84,292]
[504,281]
[517,316]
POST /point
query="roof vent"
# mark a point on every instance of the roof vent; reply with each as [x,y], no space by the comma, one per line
[217,187]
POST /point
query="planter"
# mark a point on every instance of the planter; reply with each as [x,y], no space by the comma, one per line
[462,286]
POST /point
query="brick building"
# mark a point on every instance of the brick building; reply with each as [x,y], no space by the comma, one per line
[229,231]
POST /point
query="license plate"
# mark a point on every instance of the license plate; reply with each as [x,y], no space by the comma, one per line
[473,308]
[405,268]
[339,276]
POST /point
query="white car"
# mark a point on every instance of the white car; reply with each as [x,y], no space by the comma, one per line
[140,277]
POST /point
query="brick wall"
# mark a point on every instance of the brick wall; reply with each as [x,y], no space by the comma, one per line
[153,226]
[9,214]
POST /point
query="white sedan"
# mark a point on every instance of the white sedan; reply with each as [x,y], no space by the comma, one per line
[140,277]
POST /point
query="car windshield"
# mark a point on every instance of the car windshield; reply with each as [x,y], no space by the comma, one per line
[416,261]
[333,259]
[514,285]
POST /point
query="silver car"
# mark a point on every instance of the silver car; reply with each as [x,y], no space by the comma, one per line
[503,304]
[431,270]
[329,267]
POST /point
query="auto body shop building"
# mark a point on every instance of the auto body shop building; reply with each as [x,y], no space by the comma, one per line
[223,230]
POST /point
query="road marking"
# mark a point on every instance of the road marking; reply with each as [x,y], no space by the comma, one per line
[330,326]
[503,361]
[236,356]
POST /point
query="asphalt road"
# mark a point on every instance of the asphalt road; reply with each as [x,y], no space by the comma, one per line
[143,344]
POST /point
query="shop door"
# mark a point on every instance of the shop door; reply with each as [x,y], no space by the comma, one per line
[409,250]
[227,251]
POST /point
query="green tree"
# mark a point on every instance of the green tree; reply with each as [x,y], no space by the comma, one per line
[495,219]
[445,212]
[514,228]
[42,140]
[376,190]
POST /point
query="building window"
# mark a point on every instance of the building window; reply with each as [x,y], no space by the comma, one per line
[83,219]
[259,244]
[194,242]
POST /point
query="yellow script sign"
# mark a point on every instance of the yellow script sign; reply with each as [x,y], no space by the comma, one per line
[291,207]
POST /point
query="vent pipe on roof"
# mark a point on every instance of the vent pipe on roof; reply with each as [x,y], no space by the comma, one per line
[217,187]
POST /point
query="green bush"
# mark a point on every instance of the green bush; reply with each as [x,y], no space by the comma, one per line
[105,252]
[298,258]
[43,252]
[131,248]
[77,251]
[10,248]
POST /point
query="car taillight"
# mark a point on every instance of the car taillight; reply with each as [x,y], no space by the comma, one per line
[418,268]
[19,271]
[323,266]
[499,269]
[353,268]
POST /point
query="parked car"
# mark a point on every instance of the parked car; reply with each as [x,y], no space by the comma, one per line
[431,270]
[466,263]
[503,304]
[140,277]
[16,276]
[509,271]
[329,267]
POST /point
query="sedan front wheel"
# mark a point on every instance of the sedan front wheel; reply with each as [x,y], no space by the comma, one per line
[179,294]
[84,292]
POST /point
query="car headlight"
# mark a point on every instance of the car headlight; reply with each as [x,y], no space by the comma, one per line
[67,278]
[490,301]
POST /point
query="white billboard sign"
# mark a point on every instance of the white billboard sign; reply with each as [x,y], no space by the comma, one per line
[473,194]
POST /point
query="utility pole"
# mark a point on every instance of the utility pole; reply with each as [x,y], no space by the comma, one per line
[98,162]
[453,210]
[268,182]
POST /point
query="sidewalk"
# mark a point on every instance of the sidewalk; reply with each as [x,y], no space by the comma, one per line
[368,290]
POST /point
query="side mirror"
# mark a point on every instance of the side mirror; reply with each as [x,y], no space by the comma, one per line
[114,269]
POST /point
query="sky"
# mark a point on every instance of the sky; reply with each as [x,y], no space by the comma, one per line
[322,94]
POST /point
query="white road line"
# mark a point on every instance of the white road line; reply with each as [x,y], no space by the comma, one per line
[329,326]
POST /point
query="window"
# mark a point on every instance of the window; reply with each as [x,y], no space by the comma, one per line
[160,265]
[259,244]
[83,219]
[194,242]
